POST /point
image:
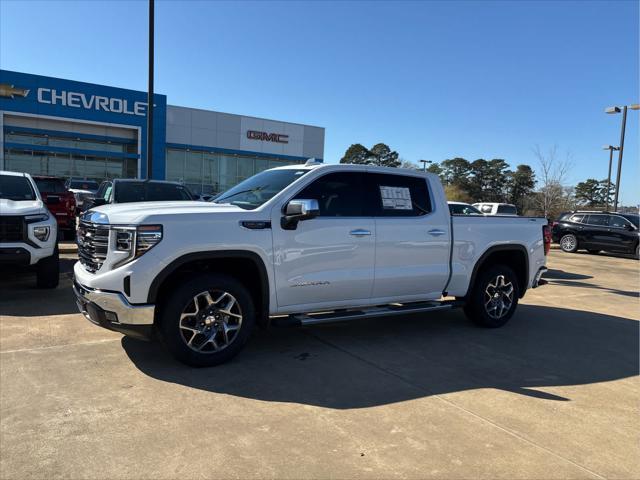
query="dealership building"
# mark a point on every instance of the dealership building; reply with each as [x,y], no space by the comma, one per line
[51,126]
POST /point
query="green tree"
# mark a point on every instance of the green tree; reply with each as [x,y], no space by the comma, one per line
[356,153]
[496,180]
[520,185]
[436,169]
[593,193]
[478,180]
[382,156]
[456,172]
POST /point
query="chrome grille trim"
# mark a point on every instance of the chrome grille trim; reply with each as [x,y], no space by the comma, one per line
[93,245]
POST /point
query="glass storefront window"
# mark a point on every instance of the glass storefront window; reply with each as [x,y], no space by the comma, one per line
[175,164]
[193,168]
[228,171]
[210,177]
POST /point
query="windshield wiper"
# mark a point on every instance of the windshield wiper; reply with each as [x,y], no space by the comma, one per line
[248,190]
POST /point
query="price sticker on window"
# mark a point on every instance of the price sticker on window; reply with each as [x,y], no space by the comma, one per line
[396,198]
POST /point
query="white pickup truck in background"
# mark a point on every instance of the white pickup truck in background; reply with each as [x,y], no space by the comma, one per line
[300,244]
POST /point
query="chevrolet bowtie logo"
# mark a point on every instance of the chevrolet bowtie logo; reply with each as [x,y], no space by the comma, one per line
[10,91]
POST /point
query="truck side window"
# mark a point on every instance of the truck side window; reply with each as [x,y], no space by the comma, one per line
[338,194]
[398,195]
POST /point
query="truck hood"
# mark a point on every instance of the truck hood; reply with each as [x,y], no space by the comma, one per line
[137,212]
[21,207]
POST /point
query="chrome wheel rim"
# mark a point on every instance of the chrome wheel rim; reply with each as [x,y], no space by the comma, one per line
[210,322]
[568,242]
[498,297]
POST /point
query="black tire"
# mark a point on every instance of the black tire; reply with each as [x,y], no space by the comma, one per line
[173,336]
[593,252]
[475,308]
[48,271]
[569,243]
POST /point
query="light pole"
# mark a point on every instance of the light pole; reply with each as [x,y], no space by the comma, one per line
[621,148]
[611,148]
[150,95]
[424,164]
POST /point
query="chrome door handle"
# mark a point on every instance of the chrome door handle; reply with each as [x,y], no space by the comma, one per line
[436,232]
[359,232]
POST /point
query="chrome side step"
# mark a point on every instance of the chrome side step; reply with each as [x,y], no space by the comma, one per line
[303,319]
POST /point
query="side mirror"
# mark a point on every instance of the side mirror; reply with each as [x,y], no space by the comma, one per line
[298,210]
[629,227]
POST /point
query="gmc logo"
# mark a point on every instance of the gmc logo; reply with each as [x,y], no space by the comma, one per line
[267,137]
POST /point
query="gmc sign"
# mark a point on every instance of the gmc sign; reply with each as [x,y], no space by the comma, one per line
[267,137]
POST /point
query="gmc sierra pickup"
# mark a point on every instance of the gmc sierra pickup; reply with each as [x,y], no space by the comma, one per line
[301,244]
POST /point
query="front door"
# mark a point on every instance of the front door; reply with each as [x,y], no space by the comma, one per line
[327,260]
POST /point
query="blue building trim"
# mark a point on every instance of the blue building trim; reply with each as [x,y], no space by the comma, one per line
[61,134]
[248,153]
[75,151]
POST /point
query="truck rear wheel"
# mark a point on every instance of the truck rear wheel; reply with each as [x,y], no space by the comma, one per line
[48,271]
[207,320]
[494,297]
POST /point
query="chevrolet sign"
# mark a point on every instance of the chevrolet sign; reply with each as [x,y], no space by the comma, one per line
[267,137]
[90,102]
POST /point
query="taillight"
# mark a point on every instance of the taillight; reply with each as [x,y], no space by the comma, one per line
[546,236]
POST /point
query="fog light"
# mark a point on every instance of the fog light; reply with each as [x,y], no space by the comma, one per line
[41,233]
[111,317]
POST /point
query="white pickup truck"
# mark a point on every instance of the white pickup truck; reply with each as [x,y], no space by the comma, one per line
[28,231]
[300,244]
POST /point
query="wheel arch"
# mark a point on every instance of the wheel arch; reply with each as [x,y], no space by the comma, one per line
[514,256]
[244,265]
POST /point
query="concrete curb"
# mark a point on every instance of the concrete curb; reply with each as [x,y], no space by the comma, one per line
[67,247]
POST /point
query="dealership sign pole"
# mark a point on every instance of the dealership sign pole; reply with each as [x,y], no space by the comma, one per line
[150,95]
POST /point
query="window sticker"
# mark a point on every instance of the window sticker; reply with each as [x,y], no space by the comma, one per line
[396,198]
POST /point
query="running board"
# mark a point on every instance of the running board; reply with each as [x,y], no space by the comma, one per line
[303,319]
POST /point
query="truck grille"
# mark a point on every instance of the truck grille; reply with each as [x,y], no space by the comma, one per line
[12,229]
[93,244]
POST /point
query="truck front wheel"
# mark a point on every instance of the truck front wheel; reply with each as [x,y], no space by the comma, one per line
[207,320]
[494,297]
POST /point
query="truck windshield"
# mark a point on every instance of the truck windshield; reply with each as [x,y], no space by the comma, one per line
[83,184]
[50,185]
[16,188]
[260,188]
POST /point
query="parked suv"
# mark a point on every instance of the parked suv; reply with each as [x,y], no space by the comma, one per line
[27,230]
[60,202]
[122,190]
[596,231]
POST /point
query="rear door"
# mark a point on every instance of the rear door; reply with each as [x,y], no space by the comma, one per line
[596,231]
[412,238]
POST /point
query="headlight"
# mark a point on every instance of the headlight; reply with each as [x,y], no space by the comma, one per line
[41,233]
[132,242]
[40,217]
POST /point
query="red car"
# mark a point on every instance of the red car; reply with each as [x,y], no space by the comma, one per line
[60,202]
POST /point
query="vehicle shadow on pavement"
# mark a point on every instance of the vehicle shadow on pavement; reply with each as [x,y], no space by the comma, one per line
[374,362]
[568,279]
[20,297]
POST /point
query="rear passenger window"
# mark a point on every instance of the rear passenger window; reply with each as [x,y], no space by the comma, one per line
[398,195]
[600,220]
[338,194]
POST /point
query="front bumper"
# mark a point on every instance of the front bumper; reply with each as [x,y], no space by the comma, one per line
[111,310]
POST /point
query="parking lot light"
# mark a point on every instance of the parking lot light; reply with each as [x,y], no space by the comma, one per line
[611,148]
[634,106]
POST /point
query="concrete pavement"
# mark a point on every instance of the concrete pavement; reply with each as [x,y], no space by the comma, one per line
[554,394]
